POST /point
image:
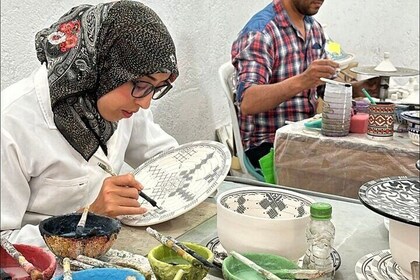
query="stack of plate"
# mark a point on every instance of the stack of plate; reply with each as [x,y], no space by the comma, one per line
[336,112]
[413,120]
[378,266]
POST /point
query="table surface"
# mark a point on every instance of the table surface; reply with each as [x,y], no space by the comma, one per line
[359,231]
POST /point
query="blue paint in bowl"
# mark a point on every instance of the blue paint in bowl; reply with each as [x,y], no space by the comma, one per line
[104,274]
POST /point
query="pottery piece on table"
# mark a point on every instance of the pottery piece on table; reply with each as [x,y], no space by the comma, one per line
[179,179]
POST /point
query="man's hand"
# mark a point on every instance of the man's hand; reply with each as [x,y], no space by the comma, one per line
[372,85]
[321,68]
[118,196]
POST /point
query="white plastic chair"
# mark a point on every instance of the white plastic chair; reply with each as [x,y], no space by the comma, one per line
[226,73]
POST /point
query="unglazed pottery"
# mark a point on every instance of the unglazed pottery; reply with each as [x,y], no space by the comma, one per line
[59,235]
[263,220]
[179,180]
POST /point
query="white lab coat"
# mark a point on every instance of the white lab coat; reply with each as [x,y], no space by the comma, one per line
[42,175]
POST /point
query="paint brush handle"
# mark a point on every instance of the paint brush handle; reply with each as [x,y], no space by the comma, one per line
[142,194]
[192,253]
[170,244]
[368,96]
[82,222]
[27,266]
[263,272]
[66,269]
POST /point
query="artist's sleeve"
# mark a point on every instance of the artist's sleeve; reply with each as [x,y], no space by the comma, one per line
[147,139]
[15,194]
[253,56]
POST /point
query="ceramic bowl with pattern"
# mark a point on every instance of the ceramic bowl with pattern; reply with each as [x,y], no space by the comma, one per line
[97,238]
[263,220]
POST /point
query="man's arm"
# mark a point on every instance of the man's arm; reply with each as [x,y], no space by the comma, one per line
[261,98]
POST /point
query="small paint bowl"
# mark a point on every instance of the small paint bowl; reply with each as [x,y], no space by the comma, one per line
[165,262]
[105,274]
[98,236]
[234,269]
[40,258]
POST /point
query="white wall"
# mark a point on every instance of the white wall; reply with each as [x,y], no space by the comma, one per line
[203,32]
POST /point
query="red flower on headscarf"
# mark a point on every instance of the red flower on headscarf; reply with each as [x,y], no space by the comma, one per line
[71,30]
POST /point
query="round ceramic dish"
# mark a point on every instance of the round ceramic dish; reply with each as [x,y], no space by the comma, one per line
[105,274]
[234,269]
[393,197]
[263,220]
[180,179]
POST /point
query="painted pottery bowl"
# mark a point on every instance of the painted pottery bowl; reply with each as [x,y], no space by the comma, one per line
[105,274]
[263,220]
[165,262]
[234,269]
[40,258]
[98,236]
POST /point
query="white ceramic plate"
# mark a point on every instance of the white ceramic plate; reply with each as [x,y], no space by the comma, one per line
[397,198]
[180,179]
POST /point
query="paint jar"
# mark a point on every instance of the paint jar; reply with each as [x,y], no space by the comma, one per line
[381,121]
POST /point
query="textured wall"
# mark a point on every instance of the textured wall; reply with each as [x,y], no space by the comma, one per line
[203,32]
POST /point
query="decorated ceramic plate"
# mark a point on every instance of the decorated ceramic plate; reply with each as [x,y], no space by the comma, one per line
[180,179]
[378,266]
[220,254]
[411,116]
[397,198]
[363,267]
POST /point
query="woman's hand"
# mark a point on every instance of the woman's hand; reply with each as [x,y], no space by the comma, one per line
[118,196]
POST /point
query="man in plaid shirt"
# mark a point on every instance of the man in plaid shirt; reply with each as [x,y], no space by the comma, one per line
[279,58]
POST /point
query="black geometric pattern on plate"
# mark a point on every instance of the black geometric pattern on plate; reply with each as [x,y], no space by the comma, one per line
[397,198]
[268,204]
[179,179]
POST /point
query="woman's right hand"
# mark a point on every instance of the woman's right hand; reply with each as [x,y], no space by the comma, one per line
[118,196]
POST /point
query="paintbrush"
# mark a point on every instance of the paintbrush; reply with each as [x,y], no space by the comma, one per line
[368,96]
[66,269]
[82,222]
[283,273]
[142,194]
[193,253]
[170,244]
[27,266]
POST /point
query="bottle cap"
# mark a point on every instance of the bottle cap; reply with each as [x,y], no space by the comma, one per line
[321,211]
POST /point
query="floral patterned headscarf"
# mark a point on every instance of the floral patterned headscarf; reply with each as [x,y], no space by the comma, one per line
[92,50]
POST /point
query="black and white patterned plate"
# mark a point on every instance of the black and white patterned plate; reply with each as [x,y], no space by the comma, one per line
[378,266]
[220,254]
[180,179]
[412,116]
[397,198]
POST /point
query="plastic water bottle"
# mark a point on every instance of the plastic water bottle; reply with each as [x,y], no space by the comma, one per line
[320,238]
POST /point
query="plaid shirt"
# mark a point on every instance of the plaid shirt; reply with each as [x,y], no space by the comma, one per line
[268,50]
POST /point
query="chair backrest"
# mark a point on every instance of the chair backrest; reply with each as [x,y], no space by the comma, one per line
[226,72]
[226,76]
